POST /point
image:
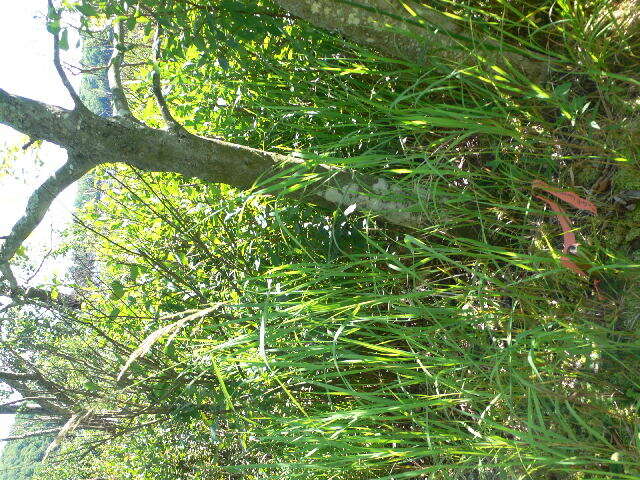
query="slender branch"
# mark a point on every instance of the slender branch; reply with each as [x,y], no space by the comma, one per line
[171,122]
[37,270]
[25,399]
[103,67]
[120,103]
[61,73]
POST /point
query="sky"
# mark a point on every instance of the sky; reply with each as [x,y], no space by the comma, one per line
[26,69]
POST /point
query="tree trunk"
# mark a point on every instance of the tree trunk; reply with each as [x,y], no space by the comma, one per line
[408,32]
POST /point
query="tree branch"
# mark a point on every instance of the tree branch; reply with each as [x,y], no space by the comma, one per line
[61,73]
[120,103]
[104,67]
[43,381]
[210,160]
[36,119]
[20,377]
[24,399]
[38,205]
[44,407]
[33,294]
[171,122]
[7,273]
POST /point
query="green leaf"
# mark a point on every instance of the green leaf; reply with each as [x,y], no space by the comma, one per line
[87,10]
[92,387]
[131,23]
[117,290]
[53,27]
[64,40]
[134,271]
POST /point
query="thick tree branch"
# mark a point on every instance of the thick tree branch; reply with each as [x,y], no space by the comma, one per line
[171,122]
[12,376]
[26,409]
[36,119]
[210,160]
[39,203]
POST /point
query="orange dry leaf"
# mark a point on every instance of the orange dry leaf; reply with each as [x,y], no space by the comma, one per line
[572,266]
[568,236]
[569,197]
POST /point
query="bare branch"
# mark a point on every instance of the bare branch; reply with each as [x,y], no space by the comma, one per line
[29,143]
[171,122]
[38,205]
[37,270]
[120,103]
[61,73]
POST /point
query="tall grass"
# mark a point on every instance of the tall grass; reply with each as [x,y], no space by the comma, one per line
[349,349]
